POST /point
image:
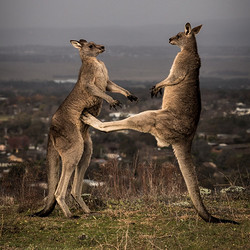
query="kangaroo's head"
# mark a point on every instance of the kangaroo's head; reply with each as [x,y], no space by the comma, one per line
[186,39]
[87,48]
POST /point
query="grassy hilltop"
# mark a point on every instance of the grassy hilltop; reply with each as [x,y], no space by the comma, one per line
[138,224]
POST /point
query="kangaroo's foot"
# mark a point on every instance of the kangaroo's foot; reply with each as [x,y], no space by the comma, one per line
[213,219]
[89,119]
[81,203]
[45,211]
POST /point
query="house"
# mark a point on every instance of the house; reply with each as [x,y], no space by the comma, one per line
[13,158]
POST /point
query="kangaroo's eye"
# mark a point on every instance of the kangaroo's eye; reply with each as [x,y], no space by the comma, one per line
[177,36]
[90,46]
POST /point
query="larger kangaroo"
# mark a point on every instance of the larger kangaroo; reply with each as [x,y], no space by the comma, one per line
[176,122]
[69,138]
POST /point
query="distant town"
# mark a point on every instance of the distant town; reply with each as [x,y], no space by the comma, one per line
[221,146]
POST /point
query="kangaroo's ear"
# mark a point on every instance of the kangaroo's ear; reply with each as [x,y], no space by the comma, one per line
[82,41]
[197,29]
[76,44]
[187,28]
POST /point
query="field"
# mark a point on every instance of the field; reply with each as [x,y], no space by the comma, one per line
[134,224]
[4,118]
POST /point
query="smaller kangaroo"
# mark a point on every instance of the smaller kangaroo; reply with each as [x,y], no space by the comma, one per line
[69,137]
[176,122]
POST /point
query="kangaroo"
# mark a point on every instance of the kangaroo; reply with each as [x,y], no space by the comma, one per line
[69,138]
[176,122]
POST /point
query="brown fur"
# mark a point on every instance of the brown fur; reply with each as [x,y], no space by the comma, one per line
[176,122]
[69,138]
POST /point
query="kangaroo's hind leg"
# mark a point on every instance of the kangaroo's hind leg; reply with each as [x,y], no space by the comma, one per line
[70,160]
[143,122]
[156,122]
[76,191]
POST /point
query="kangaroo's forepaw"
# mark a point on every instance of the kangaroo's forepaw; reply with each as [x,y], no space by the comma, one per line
[114,104]
[132,98]
[154,91]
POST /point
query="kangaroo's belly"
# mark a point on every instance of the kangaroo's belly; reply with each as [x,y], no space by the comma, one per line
[183,100]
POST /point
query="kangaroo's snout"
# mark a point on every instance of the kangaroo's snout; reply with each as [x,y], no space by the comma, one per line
[171,40]
[102,48]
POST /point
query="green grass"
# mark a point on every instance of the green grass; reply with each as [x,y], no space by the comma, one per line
[140,224]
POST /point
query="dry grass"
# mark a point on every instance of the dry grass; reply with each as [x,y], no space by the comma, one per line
[142,179]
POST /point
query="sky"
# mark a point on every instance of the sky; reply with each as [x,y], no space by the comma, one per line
[108,15]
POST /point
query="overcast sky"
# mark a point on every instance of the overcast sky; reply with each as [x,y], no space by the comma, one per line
[77,13]
[19,14]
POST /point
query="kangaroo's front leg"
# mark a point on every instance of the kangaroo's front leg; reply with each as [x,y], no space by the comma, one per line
[169,81]
[144,122]
[95,91]
[112,87]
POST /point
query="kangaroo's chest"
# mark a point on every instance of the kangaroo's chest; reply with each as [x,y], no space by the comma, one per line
[101,77]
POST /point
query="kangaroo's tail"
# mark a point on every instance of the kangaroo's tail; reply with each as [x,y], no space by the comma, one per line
[53,164]
[182,152]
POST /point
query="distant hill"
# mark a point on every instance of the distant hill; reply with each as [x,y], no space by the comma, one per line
[214,33]
[144,63]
